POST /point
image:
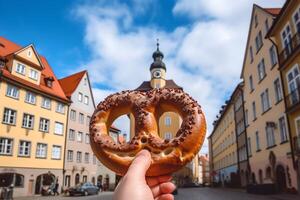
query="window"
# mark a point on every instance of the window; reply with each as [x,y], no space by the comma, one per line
[30,98]
[251,54]
[261,70]
[78,157]
[88,120]
[79,136]
[24,148]
[286,37]
[70,156]
[59,128]
[168,135]
[273,56]
[81,118]
[297,20]
[282,128]
[33,74]
[56,152]
[60,108]
[257,141]
[87,138]
[246,118]
[86,100]
[6,146]
[297,121]
[278,92]
[255,20]
[85,81]
[44,125]
[254,110]
[267,25]
[29,53]
[80,97]
[265,103]
[73,115]
[41,150]
[46,103]
[8,179]
[20,69]
[249,146]
[168,121]
[270,136]
[71,135]
[28,121]
[293,79]
[251,83]
[9,116]
[258,41]
[12,91]
[67,180]
[86,157]
[94,159]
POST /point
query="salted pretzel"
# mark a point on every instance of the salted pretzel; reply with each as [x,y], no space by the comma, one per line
[168,156]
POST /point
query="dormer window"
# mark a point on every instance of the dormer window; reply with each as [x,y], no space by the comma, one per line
[33,74]
[49,81]
[20,69]
[2,63]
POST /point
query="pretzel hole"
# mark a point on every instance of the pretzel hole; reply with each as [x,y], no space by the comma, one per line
[120,128]
[169,124]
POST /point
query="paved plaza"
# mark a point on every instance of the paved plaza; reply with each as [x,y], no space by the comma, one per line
[190,194]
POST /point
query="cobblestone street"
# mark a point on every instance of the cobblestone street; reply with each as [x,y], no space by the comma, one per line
[191,194]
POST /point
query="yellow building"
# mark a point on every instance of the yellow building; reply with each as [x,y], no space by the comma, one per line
[169,122]
[223,147]
[268,144]
[33,111]
[285,34]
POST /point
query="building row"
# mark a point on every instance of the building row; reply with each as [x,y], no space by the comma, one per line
[255,139]
[44,129]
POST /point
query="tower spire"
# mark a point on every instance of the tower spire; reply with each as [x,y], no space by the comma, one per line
[157,44]
[157,58]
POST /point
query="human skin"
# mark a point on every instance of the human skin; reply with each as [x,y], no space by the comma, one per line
[136,186]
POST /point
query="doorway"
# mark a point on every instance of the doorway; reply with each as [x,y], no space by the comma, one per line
[280,178]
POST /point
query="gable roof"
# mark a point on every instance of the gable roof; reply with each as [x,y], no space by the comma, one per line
[8,48]
[35,52]
[70,83]
[271,11]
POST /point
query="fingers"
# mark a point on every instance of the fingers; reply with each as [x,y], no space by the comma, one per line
[140,164]
[163,188]
[152,181]
[165,197]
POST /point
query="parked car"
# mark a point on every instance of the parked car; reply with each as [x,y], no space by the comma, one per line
[82,189]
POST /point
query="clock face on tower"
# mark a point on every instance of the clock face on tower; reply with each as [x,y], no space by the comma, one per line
[157,74]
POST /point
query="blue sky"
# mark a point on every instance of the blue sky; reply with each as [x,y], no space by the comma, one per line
[203,41]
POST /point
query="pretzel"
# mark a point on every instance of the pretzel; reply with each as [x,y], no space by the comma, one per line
[168,156]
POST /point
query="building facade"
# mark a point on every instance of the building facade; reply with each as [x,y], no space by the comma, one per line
[33,111]
[285,33]
[204,171]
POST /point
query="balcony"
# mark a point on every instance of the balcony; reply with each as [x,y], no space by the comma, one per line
[297,145]
[293,100]
[289,50]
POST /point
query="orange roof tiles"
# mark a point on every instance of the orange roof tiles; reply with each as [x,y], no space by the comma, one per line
[7,47]
[70,83]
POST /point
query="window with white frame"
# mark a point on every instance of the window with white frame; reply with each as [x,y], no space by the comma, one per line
[257,141]
[168,121]
[21,69]
[168,135]
[60,107]
[296,18]
[81,118]
[56,152]
[6,146]
[9,116]
[71,134]
[86,100]
[24,148]
[251,54]
[277,89]
[33,74]
[286,37]
[30,97]
[87,138]
[86,157]
[265,102]
[12,91]
[78,157]
[251,83]
[79,136]
[254,110]
[70,156]
[261,69]
[293,79]
[28,121]
[258,41]
[249,146]
[59,128]
[73,115]
[282,128]
[88,120]
[267,25]
[41,150]
[46,103]
[255,21]
[270,136]
[44,125]
[80,97]
[273,56]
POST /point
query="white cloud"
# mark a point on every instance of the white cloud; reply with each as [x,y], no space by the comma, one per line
[205,58]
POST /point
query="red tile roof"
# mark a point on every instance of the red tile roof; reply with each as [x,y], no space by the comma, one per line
[70,83]
[273,11]
[7,47]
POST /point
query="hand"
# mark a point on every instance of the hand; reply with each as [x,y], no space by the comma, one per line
[136,186]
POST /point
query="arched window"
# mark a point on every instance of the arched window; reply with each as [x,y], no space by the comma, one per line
[7,179]
[260,175]
[268,172]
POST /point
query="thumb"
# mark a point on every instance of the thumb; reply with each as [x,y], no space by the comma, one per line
[140,164]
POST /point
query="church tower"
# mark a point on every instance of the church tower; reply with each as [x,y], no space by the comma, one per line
[158,69]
